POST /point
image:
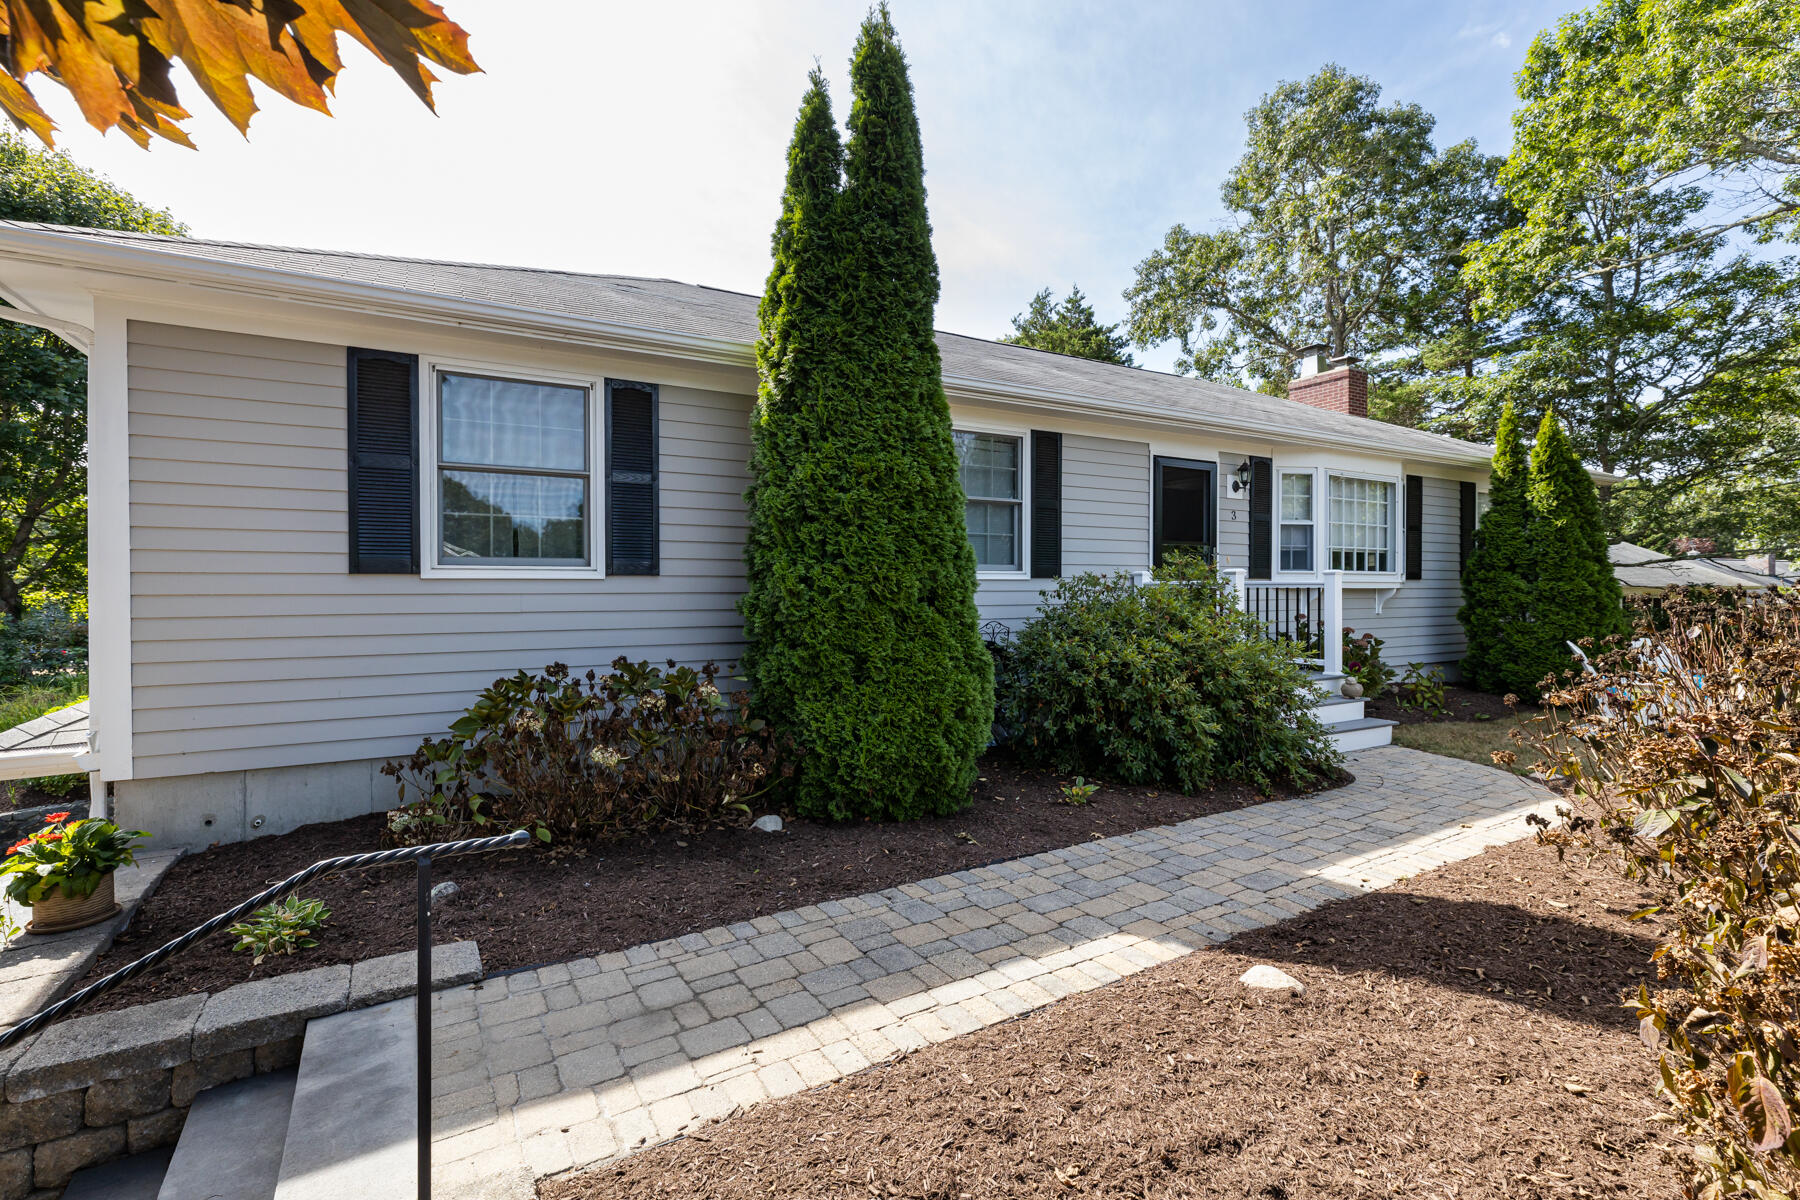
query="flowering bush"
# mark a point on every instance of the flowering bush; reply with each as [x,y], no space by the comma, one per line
[1167,683]
[72,855]
[1362,662]
[598,756]
[48,641]
[1684,750]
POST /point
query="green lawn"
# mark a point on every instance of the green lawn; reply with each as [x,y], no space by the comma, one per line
[1474,741]
[21,704]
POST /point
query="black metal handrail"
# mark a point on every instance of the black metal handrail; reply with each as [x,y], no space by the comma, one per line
[420,856]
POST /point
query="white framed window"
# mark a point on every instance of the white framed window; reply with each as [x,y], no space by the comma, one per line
[510,482]
[992,466]
[1296,522]
[1360,518]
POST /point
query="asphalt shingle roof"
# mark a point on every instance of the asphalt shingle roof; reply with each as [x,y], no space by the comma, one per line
[697,311]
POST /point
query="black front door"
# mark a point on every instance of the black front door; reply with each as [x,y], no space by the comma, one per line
[1184,506]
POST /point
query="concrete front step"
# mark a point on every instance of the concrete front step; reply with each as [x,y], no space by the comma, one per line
[351,1131]
[232,1143]
[1364,733]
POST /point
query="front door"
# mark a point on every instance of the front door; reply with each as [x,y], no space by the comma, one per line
[1185,516]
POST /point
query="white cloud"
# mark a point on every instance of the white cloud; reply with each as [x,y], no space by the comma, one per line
[1502,39]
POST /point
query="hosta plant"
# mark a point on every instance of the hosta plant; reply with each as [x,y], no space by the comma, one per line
[1684,751]
[72,855]
[284,927]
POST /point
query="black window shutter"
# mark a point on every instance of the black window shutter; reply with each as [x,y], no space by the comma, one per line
[1046,504]
[632,545]
[1468,522]
[1415,527]
[1262,517]
[383,439]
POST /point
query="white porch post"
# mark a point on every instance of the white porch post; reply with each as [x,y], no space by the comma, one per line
[1331,623]
[1239,587]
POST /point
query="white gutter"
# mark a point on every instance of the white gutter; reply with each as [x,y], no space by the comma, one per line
[64,250]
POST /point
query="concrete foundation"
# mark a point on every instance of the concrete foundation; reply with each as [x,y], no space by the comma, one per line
[191,812]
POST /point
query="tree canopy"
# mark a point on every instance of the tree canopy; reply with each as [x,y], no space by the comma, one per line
[116,60]
[1336,236]
[43,386]
[1069,326]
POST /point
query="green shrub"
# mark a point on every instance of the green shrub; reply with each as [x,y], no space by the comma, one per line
[859,611]
[1166,683]
[1684,751]
[600,756]
[1422,688]
[1497,580]
[46,645]
[1363,663]
[284,927]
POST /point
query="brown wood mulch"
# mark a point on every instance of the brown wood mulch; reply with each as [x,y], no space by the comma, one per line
[1460,1036]
[1460,704]
[527,908]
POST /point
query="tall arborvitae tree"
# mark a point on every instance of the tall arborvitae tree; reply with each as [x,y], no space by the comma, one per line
[861,613]
[798,328]
[1575,595]
[1497,580]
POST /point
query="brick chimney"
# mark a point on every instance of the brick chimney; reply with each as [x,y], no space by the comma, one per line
[1334,384]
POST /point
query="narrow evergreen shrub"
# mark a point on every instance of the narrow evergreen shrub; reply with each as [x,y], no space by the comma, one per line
[860,611]
[1575,596]
[1165,684]
[1497,581]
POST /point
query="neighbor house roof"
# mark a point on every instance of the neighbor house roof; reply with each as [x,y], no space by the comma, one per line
[1641,567]
[701,322]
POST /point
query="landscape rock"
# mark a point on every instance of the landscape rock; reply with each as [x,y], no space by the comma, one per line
[269,1010]
[192,1078]
[39,1120]
[128,1041]
[378,980]
[114,1101]
[1272,979]
[769,823]
[15,1174]
[155,1130]
[54,1162]
[447,890]
[276,1056]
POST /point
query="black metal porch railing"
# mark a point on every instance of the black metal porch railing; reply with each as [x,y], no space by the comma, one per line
[420,856]
[1289,613]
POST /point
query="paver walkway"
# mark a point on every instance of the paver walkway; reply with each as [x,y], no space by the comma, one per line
[565,1066]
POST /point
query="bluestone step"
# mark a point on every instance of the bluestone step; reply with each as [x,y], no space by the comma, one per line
[1363,734]
[134,1178]
[230,1148]
[351,1130]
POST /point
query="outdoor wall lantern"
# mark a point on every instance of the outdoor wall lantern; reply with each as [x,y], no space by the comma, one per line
[1243,477]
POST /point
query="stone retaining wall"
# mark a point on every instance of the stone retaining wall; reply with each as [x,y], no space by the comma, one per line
[93,1088]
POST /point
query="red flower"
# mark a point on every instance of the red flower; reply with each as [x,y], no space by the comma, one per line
[19,845]
[53,818]
[50,835]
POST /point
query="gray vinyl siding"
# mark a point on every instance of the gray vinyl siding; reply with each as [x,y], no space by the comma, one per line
[1105,525]
[1234,516]
[251,644]
[1418,623]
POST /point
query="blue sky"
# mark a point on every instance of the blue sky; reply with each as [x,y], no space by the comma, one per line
[1061,139]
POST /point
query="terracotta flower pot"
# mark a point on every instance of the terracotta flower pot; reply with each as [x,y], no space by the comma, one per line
[57,913]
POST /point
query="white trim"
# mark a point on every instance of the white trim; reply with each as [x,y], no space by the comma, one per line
[429,515]
[1313,572]
[109,545]
[248,286]
[1396,573]
[1003,429]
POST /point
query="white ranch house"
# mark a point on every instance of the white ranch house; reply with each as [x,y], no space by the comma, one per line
[332,496]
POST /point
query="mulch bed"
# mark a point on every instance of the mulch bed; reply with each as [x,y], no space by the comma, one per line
[1460,1036]
[536,906]
[1463,704]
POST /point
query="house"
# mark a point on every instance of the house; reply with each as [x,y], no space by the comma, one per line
[334,495]
[1641,570]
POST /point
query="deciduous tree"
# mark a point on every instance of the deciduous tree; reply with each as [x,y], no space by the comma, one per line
[116,59]
[43,386]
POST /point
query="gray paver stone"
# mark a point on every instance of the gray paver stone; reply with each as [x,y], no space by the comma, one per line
[127,1041]
[269,1010]
[378,980]
[115,1100]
